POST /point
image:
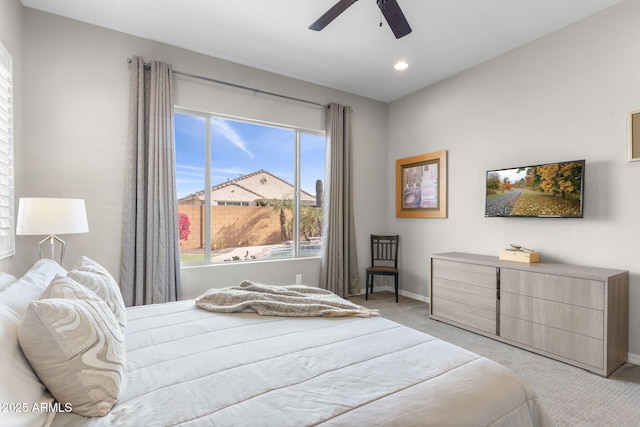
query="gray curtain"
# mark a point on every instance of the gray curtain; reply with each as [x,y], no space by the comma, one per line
[339,265]
[150,269]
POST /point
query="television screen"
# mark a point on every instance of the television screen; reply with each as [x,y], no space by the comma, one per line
[554,190]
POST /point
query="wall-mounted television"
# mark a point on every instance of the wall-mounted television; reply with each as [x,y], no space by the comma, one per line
[553,190]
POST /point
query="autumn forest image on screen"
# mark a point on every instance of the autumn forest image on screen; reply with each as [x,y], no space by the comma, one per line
[546,190]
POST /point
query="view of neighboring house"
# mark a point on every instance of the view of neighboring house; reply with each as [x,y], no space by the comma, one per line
[250,212]
[254,189]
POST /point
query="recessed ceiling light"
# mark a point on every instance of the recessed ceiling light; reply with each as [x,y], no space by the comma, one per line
[401,65]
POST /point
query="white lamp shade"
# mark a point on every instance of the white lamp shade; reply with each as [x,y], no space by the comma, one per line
[45,216]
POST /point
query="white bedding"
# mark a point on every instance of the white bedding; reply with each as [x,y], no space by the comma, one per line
[190,367]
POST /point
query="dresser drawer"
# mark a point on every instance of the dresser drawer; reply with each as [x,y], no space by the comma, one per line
[571,318]
[473,295]
[579,348]
[571,290]
[465,314]
[475,274]
[465,293]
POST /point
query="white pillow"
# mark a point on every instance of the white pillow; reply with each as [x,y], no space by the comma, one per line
[5,280]
[67,288]
[29,287]
[20,386]
[95,277]
[77,348]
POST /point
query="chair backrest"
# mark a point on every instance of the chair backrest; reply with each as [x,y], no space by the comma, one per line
[384,250]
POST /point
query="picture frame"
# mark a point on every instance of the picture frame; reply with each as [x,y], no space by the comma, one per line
[421,186]
[634,136]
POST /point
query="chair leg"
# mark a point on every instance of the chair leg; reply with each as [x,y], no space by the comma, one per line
[366,287]
[396,277]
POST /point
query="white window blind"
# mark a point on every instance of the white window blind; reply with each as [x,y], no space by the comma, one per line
[7,230]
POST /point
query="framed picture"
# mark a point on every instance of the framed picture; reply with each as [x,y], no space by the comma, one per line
[421,186]
[634,136]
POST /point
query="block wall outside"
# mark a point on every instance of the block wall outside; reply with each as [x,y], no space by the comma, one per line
[233,226]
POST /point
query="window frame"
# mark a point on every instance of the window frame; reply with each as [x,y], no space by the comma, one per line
[7,202]
[297,205]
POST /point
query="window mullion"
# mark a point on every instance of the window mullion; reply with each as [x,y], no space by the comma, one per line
[296,197]
[207,192]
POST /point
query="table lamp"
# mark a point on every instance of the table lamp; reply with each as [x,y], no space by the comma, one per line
[50,217]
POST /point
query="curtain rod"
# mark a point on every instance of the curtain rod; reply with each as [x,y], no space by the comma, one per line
[209,79]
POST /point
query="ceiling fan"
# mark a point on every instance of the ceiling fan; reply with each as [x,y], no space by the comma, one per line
[389,8]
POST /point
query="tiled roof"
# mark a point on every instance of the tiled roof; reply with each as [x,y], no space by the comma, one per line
[237,181]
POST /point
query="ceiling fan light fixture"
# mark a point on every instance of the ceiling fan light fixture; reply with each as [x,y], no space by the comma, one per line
[401,65]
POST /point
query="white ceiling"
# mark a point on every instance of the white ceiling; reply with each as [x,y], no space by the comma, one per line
[352,53]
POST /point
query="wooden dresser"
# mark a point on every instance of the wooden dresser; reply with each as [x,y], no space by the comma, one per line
[576,314]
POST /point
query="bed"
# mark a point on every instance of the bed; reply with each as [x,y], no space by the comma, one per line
[190,367]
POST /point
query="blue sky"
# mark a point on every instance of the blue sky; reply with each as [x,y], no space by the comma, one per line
[240,148]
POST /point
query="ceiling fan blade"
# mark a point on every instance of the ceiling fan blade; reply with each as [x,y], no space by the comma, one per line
[331,14]
[395,18]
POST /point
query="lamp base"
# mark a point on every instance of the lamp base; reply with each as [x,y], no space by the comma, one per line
[52,238]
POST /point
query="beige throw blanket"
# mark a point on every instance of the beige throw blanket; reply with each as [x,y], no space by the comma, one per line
[270,300]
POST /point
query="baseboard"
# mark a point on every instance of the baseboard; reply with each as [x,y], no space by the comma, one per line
[407,294]
[410,295]
[633,358]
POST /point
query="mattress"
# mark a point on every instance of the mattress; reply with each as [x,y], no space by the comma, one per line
[190,367]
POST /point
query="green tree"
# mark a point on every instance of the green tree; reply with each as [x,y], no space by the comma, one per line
[493,182]
[281,206]
[310,220]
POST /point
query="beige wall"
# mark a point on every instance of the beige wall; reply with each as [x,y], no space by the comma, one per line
[563,97]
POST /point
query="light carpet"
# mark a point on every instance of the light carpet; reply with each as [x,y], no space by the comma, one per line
[573,396]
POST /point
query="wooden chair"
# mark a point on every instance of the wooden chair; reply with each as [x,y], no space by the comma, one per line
[384,260]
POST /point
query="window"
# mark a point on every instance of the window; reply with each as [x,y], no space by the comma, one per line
[7,238]
[244,187]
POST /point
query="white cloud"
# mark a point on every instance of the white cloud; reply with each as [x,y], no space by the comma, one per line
[223,128]
[186,170]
